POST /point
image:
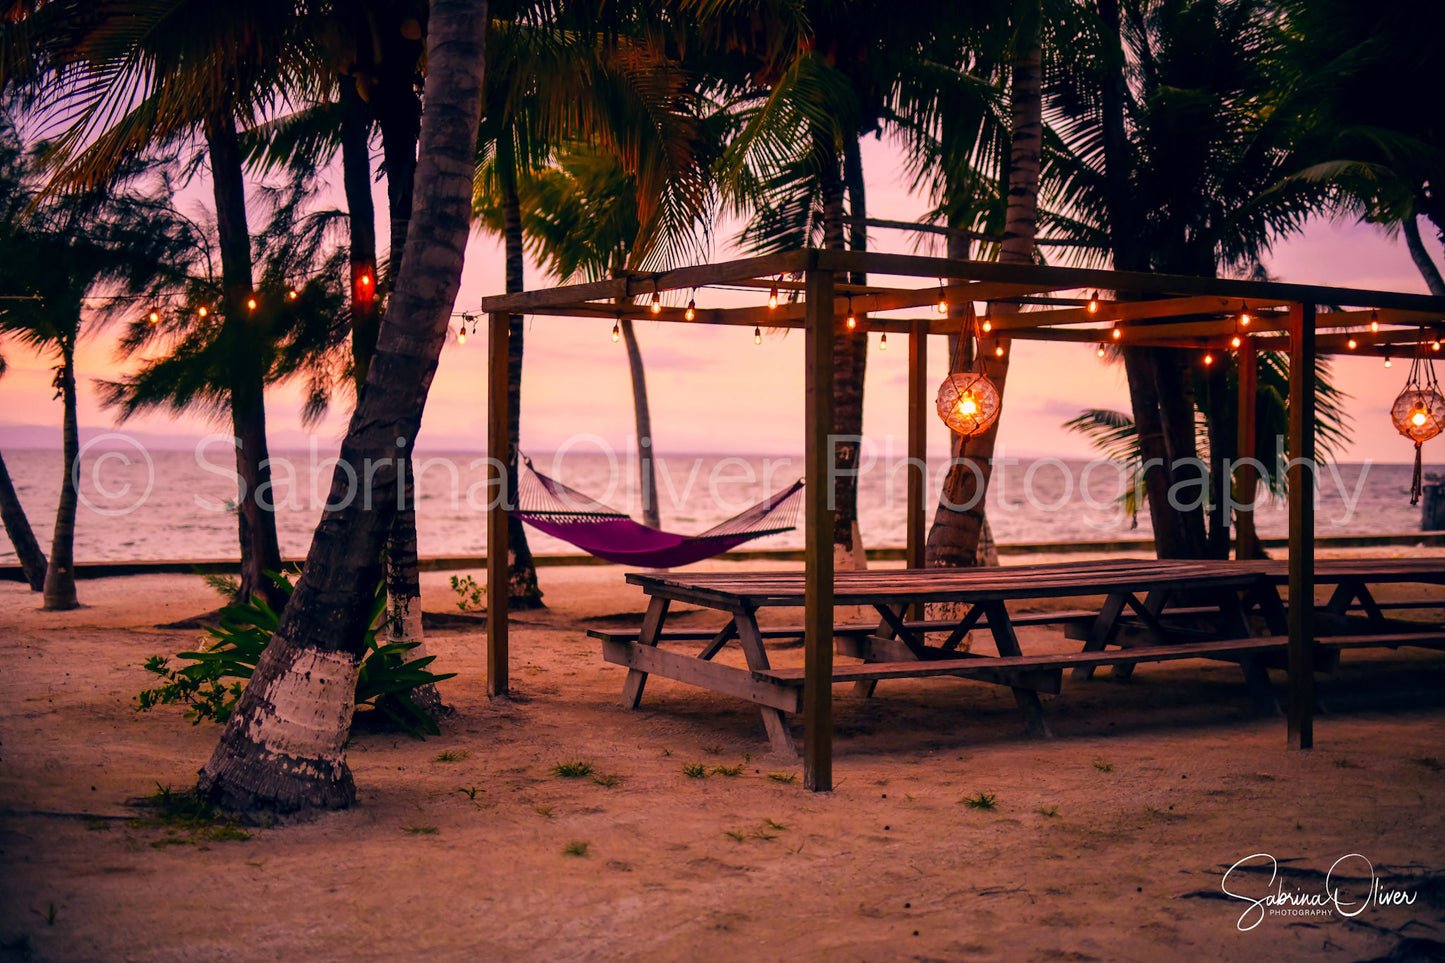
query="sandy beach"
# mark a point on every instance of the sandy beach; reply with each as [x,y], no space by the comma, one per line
[1109,842]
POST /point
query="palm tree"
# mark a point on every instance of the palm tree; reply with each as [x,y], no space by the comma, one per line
[282,750]
[59,250]
[17,526]
[1171,149]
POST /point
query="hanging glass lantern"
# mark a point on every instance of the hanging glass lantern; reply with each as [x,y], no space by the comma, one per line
[1419,412]
[967,401]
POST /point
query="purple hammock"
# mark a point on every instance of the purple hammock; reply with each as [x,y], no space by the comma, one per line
[550,506]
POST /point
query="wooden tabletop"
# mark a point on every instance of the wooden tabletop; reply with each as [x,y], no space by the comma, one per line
[894,586]
[1328,570]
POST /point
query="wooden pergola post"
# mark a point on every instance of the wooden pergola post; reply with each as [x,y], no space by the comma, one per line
[818,527]
[499,452]
[917,442]
[1301,525]
[1246,538]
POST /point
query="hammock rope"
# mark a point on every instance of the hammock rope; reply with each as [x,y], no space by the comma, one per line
[578,519]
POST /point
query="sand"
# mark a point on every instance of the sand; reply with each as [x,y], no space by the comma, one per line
[1109,842]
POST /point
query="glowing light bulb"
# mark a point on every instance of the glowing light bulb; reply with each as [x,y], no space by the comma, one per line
[656,302]
[942,298]
[461,334]
[1374,321]
[1117,334]
[987,325]
[1244,317]
[1235,341]
[691,311]
[154,317]
[251,303]
[1419,417]
[852,318]
[1387,361]
[757,335]
[1094,303]
[202,311]
[1435,345]
[967,405]
[883,343]
[998,351]
[292,295]
[1100,351]
[773,297]
[616,331]
[1208,358]
[366,280]
[1353,344]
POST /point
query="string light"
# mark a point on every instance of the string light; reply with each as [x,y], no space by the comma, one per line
[1387,361]
[1100,351]
[251,303]
[998,351]
[155,317]
[616,330]
[292,295]
[1352,344]
[461,334]
[1374,321]
[1235,342]
[366,280]
[1244,317]
[202,311]
[883,342]
[1116,333]
[1435,345]
[773,297]
[1208,358]
[852,318]
[757,335]
[656,299]
[1094,303]
[691,311]
[942,297]
[987,325]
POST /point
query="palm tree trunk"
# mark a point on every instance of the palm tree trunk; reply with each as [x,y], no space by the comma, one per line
[1420,256]
[361,220]
[1188,479]
[60,573]
[955,536]
[646,467]
[522,587]
[17,526]
[1223,439]
[282,749]
[260,550]
[398,114]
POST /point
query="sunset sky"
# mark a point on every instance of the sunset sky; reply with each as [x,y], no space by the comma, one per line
[713,390]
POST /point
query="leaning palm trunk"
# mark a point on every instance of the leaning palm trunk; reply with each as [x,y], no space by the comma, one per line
[960,524]
[522,587]
[282,749]
[260,549]
[17,526]
[60,573]
[646,467]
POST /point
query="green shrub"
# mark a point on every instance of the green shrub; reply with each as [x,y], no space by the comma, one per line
[215,676]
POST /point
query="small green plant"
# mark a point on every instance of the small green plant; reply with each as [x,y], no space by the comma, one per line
[713,750]
[981,800]
[1103,766]
[187,817]
[727,770]
[48,915]
[694,770]
[544,811]
[761,834]
[216,675]
[783,777]
[576,848]
[225,586]
[471,597]
[572,769]
[423,830]
[607,781]
[471,792]
[451,755]
[735,835]
[773,825]
[1049,811]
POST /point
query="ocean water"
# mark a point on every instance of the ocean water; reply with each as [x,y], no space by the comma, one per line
[152,505]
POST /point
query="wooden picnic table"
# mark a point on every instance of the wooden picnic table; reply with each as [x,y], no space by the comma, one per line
[1137,589]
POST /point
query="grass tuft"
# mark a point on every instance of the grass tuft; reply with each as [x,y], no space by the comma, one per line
[576,848]
[694,770]
[981,800]
[572,769]
[783,777]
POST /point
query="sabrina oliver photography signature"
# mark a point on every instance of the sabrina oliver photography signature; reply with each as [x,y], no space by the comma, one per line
[1350,887]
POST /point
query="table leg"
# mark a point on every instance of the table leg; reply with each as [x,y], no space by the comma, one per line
[1372,608]
[1154,603]
[651,631]
[1234,624]
[1271,606]
[1008,644]
[774,721]
[889,626]
[1102,632]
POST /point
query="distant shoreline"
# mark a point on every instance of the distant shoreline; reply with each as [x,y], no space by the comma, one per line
[456,563]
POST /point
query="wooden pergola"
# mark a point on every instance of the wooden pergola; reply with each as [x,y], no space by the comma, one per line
[1051,304]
